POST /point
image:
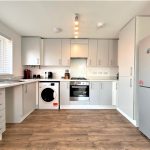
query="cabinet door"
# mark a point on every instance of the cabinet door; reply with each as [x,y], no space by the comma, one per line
[102,59]
[94,93]
[31,49]
[125,96]
[29,98]
[64,93]
[65,52]
[105,93]
[113,53]
[126,48]
[79,48]
[52,52]
[92,54]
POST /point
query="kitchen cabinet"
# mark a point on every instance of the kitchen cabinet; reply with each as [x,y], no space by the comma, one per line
[65,52]
[102,55]
[29,98]
[113,53]
[101,93]
[20,102]
[94,93]
[31,50]
[64,93]
[92,54]
[79,48]
[52,52]
[2,112]
[126,49]
[125,96]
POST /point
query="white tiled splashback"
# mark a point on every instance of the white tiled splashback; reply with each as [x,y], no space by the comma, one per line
[78,68]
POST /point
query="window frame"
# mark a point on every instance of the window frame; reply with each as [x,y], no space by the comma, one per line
[3,46]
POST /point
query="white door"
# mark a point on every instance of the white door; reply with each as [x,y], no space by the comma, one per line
[125,96]
[52,52]
[105,93]
[92,54]
[66,52]
[113,53]
[31,49]
[94,93]
[29,97]
[126,49]
[64,93]
[102,59]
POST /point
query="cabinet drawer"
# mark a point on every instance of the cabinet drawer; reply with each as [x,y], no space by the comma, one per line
[2,116]
[2,127]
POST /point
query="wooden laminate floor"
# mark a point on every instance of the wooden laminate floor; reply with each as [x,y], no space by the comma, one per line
[74,130]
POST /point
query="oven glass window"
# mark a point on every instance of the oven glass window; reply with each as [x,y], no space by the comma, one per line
[79,91]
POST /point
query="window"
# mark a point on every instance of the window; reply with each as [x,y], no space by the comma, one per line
[5,56]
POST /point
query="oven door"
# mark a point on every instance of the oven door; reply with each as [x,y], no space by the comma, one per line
[79,92]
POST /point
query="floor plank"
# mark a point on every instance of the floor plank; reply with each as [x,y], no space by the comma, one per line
[74,130]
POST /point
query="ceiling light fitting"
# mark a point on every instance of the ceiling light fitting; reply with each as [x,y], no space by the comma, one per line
[76,25]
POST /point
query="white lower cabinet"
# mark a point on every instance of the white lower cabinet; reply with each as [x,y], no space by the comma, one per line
[2,112]
[29,98]
[64,93]
[20,102]
[125,96]
[101,93]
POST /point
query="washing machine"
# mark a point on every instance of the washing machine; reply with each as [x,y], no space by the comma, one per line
[48,95]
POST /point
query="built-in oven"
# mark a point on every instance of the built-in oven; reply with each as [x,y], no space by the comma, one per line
[79,90]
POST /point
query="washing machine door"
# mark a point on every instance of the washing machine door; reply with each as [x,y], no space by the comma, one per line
[48,95]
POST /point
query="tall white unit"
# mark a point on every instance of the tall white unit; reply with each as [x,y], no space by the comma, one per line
[126,59]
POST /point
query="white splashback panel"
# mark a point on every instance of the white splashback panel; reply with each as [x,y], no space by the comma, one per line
[78,67]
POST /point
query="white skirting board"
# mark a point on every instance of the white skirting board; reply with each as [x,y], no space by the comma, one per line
[86,107]
[130,119]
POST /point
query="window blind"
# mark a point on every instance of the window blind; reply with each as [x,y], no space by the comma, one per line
[5,56]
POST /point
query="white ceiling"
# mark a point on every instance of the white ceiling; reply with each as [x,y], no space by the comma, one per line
[38,18]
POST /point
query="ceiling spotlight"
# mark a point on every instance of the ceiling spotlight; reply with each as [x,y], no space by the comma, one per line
[76,25]
[100,24]
[57,30]
[76,28]
[75,36]
[76,20]
[76,32]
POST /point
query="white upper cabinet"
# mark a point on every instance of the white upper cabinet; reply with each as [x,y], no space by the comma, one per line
[92,58]
[126,49]
[102,59]
[31,49]
[79,48]
[113,53]
[65,52]
[52,52]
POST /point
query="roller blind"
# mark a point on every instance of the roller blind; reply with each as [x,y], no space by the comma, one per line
[5,56]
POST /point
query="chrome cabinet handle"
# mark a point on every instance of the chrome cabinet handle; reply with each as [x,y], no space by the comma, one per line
[59,61]
[131,69]
[91,85]
[38,61]
[116,86]
[67,85]
[99,62]
[130,82]
[68,61]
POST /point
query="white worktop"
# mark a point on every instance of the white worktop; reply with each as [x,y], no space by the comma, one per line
[26,81]
[22,81]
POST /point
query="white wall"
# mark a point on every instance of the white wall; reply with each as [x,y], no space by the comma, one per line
[16,38]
